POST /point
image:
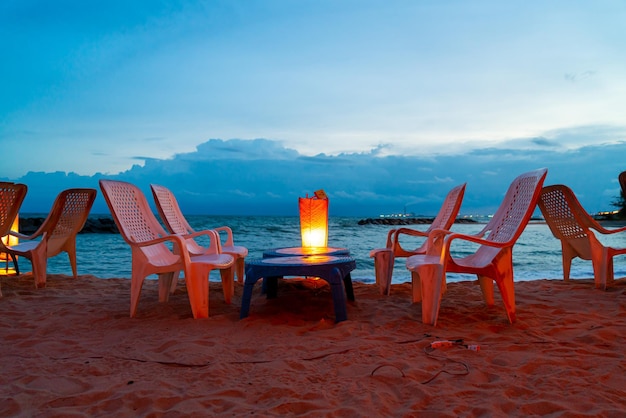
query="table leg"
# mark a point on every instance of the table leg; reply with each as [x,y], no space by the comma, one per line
[246,298]
[339,299]
[347,282]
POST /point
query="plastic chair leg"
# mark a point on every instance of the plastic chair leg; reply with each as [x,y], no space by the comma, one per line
[174,283]
[165,284]
[198,290]
[507,291]
[239,268]
[136,283]
[428,279]
[228,282]
[339,298]
[486,287]
[39,270]
[383,267]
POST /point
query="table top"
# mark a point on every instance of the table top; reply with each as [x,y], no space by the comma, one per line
[306,260]
[302,251]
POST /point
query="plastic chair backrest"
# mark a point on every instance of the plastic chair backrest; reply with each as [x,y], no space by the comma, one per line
[169,211]
[11,198]
[567,219]
[449,209]
[516,209]
[563,212]
[67,217]
[131,212]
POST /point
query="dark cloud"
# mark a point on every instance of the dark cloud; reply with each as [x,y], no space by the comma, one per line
[261,177]
[239,149]
[543,142]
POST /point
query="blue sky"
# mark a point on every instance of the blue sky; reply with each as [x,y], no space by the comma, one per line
[344,94]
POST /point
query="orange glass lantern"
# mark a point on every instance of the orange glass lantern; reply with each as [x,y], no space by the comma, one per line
[314,220]
[9,240]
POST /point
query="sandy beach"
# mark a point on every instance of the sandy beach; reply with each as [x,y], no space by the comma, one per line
[71,350]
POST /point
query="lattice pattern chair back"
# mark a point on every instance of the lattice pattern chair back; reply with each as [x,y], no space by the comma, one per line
[561,210]
[67,217]
[516,209]
[444,220]
[130,210]
[134,218]
[513,214]
[168,208]
[172,216]
[11,198]
[449,209]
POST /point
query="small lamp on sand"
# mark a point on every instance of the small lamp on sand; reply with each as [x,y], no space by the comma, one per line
[314,220]
[4,257]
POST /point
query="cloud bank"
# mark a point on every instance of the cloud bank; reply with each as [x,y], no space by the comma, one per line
[262,177]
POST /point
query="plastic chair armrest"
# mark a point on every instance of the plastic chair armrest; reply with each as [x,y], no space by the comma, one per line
[214,247]
[397,246]
[229,235]
[22,236]
[605,231]
[477,240]
[178,240]
[409,231]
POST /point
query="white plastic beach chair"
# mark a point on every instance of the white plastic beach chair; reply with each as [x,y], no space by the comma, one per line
[573,226]
[491,262]
[176,223]
[58,233]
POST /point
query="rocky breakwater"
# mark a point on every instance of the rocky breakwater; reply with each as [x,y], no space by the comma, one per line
[408,221]
[94,225]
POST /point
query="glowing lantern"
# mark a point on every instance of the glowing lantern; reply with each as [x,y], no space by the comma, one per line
[9,240]
[314,220]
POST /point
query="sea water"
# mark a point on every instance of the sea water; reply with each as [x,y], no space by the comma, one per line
[536,255]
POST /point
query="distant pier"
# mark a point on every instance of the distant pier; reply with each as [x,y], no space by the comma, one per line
[94,225]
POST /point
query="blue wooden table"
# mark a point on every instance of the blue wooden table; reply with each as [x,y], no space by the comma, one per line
[335,270]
